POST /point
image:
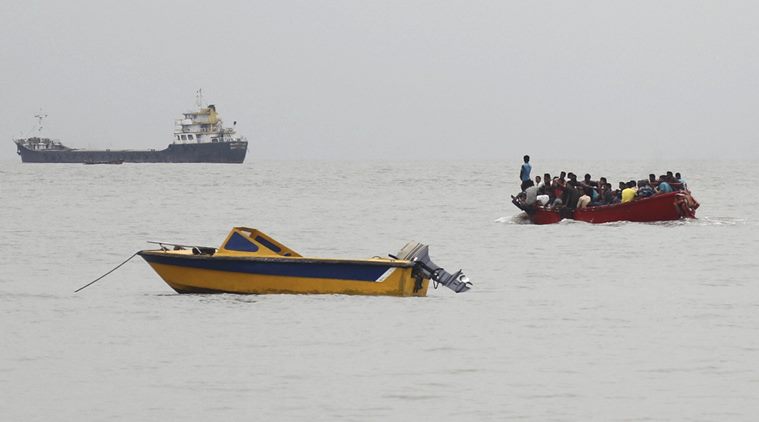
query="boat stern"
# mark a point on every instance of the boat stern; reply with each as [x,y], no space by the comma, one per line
[425,269]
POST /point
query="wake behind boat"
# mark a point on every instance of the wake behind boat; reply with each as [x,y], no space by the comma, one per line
[199,137]
[251,262]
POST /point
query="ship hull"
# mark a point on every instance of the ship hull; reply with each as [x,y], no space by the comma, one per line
[248,275]
[661,207]
[215,152]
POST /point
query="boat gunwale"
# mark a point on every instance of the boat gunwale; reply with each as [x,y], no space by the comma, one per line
[285,259]
[658,196]
[604,207]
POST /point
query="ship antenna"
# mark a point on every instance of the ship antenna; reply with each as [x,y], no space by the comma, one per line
[199,98]
[40,116]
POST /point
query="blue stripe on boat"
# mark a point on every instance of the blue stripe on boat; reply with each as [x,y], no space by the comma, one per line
[337,270]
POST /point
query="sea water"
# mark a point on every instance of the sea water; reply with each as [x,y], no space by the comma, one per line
[622,321]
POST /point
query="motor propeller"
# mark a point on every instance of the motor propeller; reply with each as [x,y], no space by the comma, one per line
[420,255]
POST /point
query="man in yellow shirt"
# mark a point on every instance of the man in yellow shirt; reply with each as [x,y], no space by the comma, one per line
[629,193]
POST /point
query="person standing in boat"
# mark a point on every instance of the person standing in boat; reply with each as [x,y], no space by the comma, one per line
[524,173]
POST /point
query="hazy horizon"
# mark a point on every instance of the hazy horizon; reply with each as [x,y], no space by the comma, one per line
[344,80]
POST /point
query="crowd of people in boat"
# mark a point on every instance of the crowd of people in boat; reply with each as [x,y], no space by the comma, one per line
[566,191]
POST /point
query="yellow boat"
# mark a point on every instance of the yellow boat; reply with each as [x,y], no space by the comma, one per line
[251,262]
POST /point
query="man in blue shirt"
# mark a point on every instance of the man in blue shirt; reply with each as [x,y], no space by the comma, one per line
[663,186]
[524,174]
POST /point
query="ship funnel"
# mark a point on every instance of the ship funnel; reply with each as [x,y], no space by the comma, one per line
[420,255]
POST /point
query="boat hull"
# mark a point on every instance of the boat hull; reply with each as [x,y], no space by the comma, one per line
[211,152]
[661,207]
[213,274]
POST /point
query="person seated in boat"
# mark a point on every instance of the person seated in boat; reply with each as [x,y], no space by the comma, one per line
[681,180]
[628,193]
[545,185]
[644,189]
[531,197]
[548,189]
[664,186]
[558,188]
[605,196]
[601,182]
[608,196]
[530,193]
[562,179]
[673,182]
[556,184]
[571,196]
[652,180]
[556,193]
[584,200]
[586,181]
[617,194]
[592,192]
[572,180]
[589,187]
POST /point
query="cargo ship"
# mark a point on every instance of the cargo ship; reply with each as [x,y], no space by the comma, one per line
[199,137]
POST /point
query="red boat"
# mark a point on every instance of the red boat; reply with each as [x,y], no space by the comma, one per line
[660,207]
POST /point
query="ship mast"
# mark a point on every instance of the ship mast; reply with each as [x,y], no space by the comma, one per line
[199,98]
[40,116]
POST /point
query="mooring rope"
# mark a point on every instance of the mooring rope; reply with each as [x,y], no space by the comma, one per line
[114,269]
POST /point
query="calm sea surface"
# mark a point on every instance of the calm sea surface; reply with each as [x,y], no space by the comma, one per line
[573,321]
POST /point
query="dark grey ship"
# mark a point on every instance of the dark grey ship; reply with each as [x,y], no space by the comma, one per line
[199,137]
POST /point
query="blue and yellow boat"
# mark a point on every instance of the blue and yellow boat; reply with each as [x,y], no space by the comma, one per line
[251,262]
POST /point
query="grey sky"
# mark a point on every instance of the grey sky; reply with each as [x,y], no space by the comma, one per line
[391,79]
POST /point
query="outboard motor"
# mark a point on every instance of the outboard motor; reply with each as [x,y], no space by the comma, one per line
[420,255]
